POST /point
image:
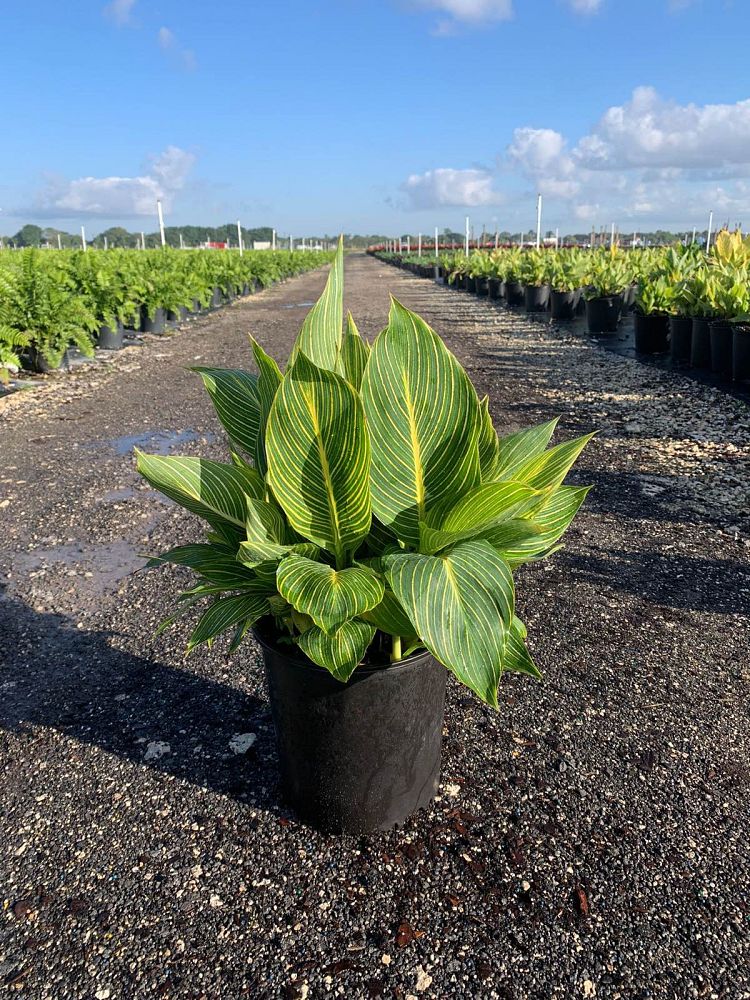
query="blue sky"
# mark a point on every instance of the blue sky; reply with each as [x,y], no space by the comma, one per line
[325,115]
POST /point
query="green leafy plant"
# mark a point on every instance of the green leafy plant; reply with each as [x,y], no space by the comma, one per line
[567,270]
[608,274]
[370,504]
[535,267]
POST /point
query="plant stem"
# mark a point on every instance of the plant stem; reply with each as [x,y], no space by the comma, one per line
[396,649]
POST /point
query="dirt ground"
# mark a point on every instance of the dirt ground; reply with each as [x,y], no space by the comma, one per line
[590,839]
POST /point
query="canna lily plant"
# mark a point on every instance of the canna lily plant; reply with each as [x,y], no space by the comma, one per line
[370,509]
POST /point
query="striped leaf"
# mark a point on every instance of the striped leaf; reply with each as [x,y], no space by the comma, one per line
[517,657]
[269,381]
[548,470]
[328,596]
[515,449]
[389,616]
[214,491]
[224,614]
[489,445]
[341,651]
[547,525]
[424,420]
[234,394]
[483,506]
[354,354]
[461,605]
[319,458]
[219,568]
[320,336]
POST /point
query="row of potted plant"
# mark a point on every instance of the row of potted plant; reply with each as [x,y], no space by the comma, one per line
[692,304]
[51,301]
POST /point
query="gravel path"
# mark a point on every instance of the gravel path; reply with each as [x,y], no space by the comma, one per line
[590,839]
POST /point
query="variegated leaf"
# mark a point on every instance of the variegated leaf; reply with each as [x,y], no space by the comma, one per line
[341,651]
[269,381]
[489,445]
[517,657]
[548,470]
[234,394]
[225,613]
[354,354]
[320,336]
[515,449]
[424,419]
[481,507]
[328,596]
[545,527]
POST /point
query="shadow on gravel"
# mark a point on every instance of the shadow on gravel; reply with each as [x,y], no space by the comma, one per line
[55,676]
[667,579]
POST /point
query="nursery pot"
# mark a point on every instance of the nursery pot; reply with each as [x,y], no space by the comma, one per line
[700,344]
[563,304]
[358,756]
[111,338]
[197,307]
[482,286]
[493,288]
[741,353]
[628,298]
[34,361]
[514,293]
[721,347]
[155,323]
[680,337]
[471,283]
[651,333]
[216,298]
[603,314]
[536,298]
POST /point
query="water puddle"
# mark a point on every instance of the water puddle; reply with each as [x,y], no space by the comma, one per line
[114,496]
[297,305]
[101,566]
[155,442]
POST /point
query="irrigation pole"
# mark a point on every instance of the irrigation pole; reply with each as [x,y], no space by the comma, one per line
[273,239]
[466,240]
[59,242]
[538,221]
[437,251]
[710,227]
[182,242]
[612,238]
[557,238]
[161,222]
[83,238]
[143,241]
[239,237]
[694,234]
[419,245]
[105,243]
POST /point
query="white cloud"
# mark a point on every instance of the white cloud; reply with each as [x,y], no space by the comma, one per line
[116,197]
[446,186]
[120,11]
[168,43]
[473,11]
[585,6]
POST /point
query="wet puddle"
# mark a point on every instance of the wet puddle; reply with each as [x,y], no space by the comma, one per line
[101,566]
[155,442]
[297,305]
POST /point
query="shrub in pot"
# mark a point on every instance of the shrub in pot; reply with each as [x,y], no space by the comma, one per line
[607,277]
[652,304]
[367,529]
[731,301]
[566,274]
[535,268]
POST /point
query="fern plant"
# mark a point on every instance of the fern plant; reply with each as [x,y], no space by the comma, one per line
[369,505]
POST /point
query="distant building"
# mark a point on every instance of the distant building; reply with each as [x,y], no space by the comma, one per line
[261,244]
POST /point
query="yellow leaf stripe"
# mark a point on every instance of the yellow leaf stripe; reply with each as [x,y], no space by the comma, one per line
[328,596]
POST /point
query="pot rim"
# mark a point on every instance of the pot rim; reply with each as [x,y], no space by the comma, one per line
[298,658]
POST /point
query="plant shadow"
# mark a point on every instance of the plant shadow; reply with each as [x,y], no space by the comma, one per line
[55,676]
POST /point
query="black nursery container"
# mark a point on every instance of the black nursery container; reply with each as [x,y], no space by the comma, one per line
[471,284]
[495,288]
[155,323]
[482,286]
[359,756]
[536,298]
[651,333]
[603,314]
[741,353]
[111,338]
[217,298]
[700,345]
[514,293]
[680,338]
[721,337]
[563,304]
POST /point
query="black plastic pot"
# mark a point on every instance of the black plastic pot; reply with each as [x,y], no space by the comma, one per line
[155,323]
[245,290]
[471,284]
[514,293]
[493,288]
[603,314]
[359,756]
[197,307]
[217,298]
[459,282]
[536,298]
[680,337]
[34,361]
[721,336]
[700,344]
[651,333]
[563,304]
[628,298]
[110,339]
[741,353]
[482,286]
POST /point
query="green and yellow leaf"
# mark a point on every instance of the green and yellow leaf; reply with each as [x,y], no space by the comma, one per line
[328,596]
[340,651]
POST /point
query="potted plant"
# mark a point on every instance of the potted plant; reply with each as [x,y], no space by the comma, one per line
[39,310]
[102,280]
[514,291]
[534,275]
[606,279]
[366,532]
[566,277]
[652,303]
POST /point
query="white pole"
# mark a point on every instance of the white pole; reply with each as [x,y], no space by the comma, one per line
[557,238]
[408,244]
[161,222]
[105,243]
[538,221]
[612,238]
[419,249]
[273,239]
[437,252]
[710,227]
[239,236]
[634,236]
[291,244]
[59,242]
[143,241]
[182,242]
[694,234]
[83,238]
[466,240]
[497,239]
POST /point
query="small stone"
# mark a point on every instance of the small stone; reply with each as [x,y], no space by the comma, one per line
[386,959]
[241,742]
[452,791]
[156,750]
[424,979]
